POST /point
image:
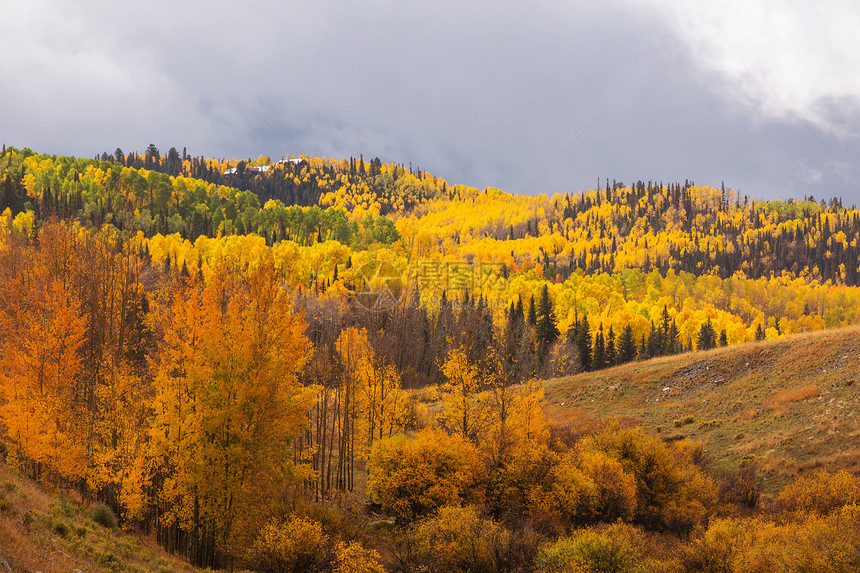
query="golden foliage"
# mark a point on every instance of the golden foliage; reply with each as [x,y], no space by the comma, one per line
[459,540]
[412,477]
[759,545]
[822,492]
[227,400]
[293,546]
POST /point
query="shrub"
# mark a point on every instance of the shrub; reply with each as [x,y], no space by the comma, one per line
[812,543]
[109,560]
[571,492]
[671,491]
[613,549]
[103,515]
[353,558]
[615,489]
[714,550]
[519,485]
[459,540]
[412,477]
[293,546]
[742,487]
[822,492]
[61,529]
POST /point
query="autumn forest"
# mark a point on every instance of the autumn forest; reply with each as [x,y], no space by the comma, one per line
[338,365]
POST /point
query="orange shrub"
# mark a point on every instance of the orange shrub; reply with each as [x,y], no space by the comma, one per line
[615,489]
[459,540]
[813,543]
[822,492]
[412,477]
[672,493]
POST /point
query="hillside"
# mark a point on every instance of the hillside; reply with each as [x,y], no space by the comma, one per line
[185,338]
[48,531]
[785,405]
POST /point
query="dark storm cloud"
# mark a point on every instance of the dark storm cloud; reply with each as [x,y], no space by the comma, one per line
[485,94]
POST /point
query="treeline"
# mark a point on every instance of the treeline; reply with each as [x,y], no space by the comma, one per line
[138,199]
[664,314]
[384,188]
[669,228]
[673,227]
[759,238]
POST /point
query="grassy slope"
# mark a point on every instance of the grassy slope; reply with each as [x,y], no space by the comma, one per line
[788,404]
[50,532]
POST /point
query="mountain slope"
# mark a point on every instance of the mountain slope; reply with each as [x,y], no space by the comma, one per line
[49,532]
[784,405]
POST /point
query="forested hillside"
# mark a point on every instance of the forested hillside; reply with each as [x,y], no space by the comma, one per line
[235,354]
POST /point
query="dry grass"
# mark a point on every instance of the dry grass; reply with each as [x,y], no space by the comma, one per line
[779,403]
[793,401]
[50,532]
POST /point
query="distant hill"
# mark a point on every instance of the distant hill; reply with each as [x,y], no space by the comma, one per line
[785,405]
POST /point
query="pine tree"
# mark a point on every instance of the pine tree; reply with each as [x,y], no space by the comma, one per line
[706,339]
[673,343]
[652,347]
[611,352]
[598,361]
[546,331]
[532,314]
[626,345]
[583,343]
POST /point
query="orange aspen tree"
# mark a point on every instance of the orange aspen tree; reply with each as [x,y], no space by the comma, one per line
[227,406]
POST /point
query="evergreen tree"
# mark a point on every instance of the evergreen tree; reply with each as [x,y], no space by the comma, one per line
[583,343]
[673,342]
[546,330]
[653,345]
[611,352]
[724,339]
[626,345]
[663,345]
[598,361]
[174,163]
[532,314]
[706,339]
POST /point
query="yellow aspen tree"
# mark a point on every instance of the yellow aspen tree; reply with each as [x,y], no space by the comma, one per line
[227,406]
[463,408]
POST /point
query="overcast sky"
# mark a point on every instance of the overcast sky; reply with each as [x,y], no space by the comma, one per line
[541,96]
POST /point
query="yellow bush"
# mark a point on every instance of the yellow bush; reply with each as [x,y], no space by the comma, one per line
[672,492]
[353,558]
[812,543]
[412,477]
[613,549]
[293,546]
[615,489]
[459,540]
[570,492]
[519,485]
[822,492]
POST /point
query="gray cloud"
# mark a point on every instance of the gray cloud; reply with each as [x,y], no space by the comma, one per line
[789,61]
[479,93]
